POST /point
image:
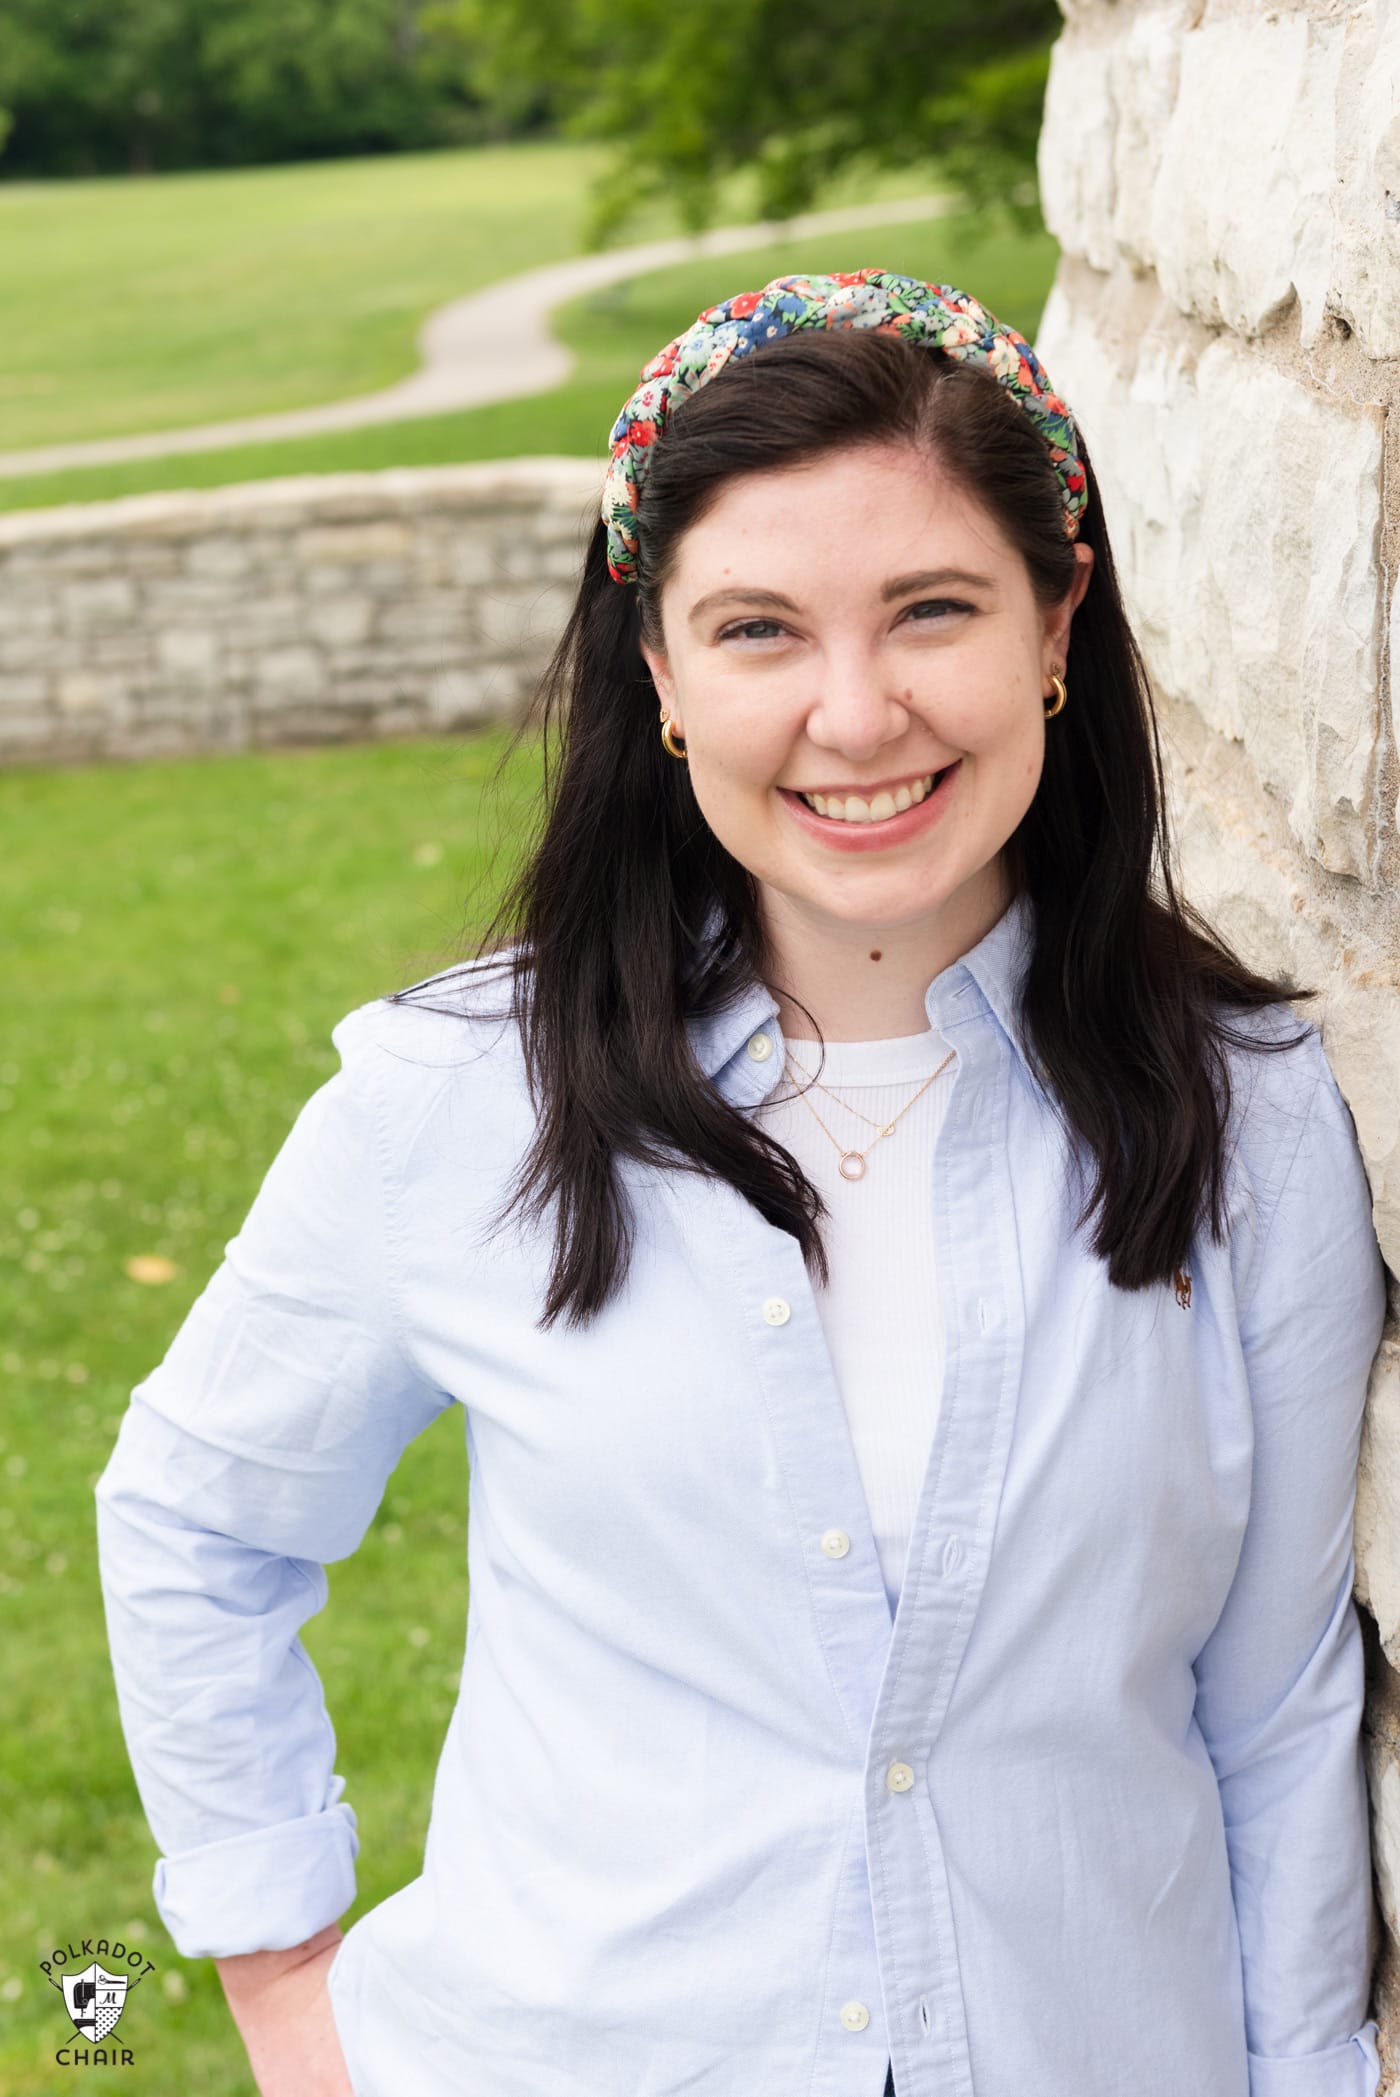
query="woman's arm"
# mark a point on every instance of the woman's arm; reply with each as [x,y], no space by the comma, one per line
[1280,1681]
[256,1453]
[283,2013]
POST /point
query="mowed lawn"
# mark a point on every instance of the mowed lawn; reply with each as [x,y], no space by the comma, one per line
[153,302]
[180,938]
[312,348]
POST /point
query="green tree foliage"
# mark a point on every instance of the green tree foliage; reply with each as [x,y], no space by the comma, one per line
[792,90]
[101,86]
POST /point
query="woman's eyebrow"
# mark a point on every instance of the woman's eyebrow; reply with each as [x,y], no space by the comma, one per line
[899,586]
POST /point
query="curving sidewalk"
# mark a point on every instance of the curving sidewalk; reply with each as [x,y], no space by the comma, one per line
[494,345]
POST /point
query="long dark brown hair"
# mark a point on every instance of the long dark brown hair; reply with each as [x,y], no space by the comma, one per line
[1127,988]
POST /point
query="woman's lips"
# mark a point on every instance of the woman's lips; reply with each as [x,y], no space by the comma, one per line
[872,837]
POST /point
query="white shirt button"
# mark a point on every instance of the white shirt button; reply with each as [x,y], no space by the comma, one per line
[836,1543]
[759,1047]
[952,1556]
[855,2016]
[776,1311]
[899,1776]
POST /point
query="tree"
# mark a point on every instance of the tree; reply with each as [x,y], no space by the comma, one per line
[98,86]
[791,89]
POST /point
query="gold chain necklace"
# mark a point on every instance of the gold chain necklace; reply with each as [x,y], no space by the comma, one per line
[852,1165]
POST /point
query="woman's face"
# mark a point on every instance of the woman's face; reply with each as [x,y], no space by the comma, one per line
[853,625]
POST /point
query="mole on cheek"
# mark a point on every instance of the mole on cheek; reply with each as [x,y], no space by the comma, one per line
[875,953]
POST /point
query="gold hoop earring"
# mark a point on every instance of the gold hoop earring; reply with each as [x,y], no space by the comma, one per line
[1060,695]
[668,740]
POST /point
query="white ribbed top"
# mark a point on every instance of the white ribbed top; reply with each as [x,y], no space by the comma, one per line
[880,1312]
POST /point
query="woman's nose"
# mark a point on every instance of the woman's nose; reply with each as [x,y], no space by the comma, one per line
[856,709]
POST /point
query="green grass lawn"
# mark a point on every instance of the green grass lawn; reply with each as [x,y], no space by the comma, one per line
[612,332]
[155,302]
[185,935]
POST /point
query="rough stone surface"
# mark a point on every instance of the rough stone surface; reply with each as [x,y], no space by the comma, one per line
[1223,177]
[1250,158]
[314,609]
[1202,448]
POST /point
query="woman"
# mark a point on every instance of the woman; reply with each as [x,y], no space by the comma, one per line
[910,1289]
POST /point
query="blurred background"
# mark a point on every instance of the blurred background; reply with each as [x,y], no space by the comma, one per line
[248,722]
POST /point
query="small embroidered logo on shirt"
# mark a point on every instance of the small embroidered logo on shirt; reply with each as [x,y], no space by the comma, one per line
[1183,1287]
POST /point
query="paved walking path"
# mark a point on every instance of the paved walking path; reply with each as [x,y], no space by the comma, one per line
[494,345]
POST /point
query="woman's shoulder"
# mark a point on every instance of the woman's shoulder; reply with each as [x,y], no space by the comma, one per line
[416,1041]
[1290,1125]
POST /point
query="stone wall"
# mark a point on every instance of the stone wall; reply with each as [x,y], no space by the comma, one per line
[332,607]
[1224,182]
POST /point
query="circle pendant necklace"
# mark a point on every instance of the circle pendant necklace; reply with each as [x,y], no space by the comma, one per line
[852,1163]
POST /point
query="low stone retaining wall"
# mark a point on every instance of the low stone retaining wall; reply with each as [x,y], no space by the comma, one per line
[325,608]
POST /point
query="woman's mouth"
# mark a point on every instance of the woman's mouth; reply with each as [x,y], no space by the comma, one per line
[864,824]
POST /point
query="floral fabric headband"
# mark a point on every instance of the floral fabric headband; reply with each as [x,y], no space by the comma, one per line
[935,314]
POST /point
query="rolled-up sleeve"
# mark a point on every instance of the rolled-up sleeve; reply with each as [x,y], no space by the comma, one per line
[1280,1681]
[257,1452]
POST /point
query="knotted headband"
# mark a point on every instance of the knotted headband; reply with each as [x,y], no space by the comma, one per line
[933,314]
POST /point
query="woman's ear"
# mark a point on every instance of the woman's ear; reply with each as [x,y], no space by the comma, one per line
[1057,631]
[660,669]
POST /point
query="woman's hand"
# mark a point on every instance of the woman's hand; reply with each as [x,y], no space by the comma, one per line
[282,2008]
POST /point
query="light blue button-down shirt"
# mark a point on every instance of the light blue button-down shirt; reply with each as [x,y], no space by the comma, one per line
[1087,1816]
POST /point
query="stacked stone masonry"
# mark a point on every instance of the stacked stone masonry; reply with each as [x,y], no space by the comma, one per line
[329,608]
[1224,182]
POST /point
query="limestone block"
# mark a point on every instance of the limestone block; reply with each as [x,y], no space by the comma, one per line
[1366,190]
[176,597]
[1250,882]
[340,622]
[102,601]
[383,538]
[1385,1821]
[463,557]
[83,692]
[227,554]
[290,673]
[189,651]
[386,578]
[525,559]
[1393,657]
[28,648]
[426,618]
[1297,117]
[1378,1503]
[25,610]
[1257,106]
[129,649]
[1264,610]
[329,579]
[22,691]
[522,619]
[266,617]
[458,697]
[1109,97]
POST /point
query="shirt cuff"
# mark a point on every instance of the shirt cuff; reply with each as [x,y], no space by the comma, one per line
[263,1891]
[1350,2070]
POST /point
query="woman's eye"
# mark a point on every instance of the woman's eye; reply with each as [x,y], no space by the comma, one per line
[746,627]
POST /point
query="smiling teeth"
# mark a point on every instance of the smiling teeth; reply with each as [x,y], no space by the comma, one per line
[855,809]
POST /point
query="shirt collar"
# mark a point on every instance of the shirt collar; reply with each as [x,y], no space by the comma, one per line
[995,967]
